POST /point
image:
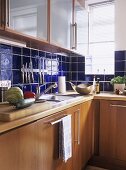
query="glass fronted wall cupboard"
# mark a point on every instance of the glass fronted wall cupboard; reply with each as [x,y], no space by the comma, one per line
[29,17]
[46,20]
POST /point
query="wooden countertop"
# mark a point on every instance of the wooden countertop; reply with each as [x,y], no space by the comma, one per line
[40,110]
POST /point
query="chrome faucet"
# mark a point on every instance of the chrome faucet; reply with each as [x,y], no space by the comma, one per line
[38,93]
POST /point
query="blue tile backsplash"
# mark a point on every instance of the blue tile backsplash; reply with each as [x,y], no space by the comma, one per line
[72,66]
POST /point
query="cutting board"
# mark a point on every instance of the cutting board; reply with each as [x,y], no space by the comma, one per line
[9,112]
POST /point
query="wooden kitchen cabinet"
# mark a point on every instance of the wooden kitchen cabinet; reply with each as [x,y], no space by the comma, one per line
[112,138]
[2,14]
[36,146]
[48,144]
[87,132]
[18,149]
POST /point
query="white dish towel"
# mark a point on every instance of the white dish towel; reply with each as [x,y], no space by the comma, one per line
[65,138]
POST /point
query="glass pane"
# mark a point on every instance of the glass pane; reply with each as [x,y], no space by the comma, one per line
[29,17]
[61,19]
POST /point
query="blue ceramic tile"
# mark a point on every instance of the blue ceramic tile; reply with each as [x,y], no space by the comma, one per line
[27,88]
[67,59]
[26,51]
[63,58]
[64,67]
[67,66]
[60,66]
[81,67]
[35,62]
[119,73]
[6,75]
[5,49]
[109,77]
[17,77]
[34,53]
[41,53]
[36,77]
[108,86]
[26,60]
[120,55]
[74,59]
[48,78]
[88,78]
[73,66]
[16,62]
[34,88]
[74,76]
[59,57]
[62,73]
[81,59]
[48,55]
[16,50]
[67,76]
[81,76]
[6,61]
[120,66]
[54,56]
[54,78]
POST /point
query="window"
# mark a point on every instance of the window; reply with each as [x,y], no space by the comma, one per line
[100,58]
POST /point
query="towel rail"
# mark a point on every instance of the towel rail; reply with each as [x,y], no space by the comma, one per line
[57,120]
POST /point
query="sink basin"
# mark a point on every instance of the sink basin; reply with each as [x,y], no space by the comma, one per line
[56,98]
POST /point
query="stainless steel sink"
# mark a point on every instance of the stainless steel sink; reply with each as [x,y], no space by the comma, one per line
[56,98]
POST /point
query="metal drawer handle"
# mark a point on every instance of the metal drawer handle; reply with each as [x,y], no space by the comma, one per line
[117,105]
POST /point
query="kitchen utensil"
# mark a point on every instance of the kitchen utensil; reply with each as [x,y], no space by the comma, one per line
[82,88]
[23,73]
[31,71]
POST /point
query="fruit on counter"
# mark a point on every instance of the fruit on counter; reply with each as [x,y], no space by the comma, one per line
[22,103]
[14,94]
[29,94]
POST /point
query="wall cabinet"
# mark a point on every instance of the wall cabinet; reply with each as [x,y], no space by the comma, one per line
[29,17]
[36,146]
[58,22]
[112,130]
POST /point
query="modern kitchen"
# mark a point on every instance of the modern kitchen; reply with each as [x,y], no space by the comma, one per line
[62,85]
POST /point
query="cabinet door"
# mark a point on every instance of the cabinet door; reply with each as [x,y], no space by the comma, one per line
[112,130]
[61,19]
[29,17]
[76,113]
[18,149]
[48,144]
[80,28]
[2,14]
[87,132]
